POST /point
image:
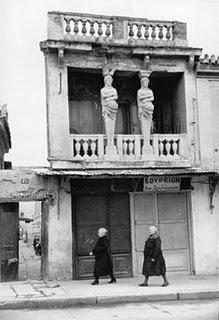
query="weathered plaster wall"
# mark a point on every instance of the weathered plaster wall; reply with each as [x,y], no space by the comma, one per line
[205,228]
[57,109]
[208,94]
[191,113]
[60,233]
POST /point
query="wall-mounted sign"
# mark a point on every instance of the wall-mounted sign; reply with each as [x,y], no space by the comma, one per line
[162,183]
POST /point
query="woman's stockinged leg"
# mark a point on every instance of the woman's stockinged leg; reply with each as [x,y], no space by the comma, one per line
[165,283]
[113,279]
[96,281]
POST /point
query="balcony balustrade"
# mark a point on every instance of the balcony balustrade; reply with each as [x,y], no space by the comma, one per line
[166,147]
[113,29]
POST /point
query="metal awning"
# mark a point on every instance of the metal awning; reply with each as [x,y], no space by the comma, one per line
[124,172]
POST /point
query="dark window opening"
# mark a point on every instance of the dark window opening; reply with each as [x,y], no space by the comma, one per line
[85,111]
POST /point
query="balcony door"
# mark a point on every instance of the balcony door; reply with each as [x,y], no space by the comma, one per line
[85,117]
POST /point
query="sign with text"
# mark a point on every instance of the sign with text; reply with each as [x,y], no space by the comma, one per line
[162,183]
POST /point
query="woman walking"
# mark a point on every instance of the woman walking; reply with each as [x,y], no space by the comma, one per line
[103,262]
[154,263]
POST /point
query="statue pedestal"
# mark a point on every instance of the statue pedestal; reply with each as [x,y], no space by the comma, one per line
[147,153]
[111,153]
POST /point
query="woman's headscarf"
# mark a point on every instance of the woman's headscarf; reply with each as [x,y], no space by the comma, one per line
[102,232]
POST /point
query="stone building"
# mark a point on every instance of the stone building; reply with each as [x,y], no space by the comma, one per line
[124,155]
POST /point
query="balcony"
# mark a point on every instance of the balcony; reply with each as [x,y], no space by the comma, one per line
[115,30]
[169,150]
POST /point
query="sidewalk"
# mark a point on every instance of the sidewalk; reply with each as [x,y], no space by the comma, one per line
[57,294]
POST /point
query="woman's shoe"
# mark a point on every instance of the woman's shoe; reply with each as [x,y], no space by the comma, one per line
[143,284]
[95,282]
[165,284]
[112,280]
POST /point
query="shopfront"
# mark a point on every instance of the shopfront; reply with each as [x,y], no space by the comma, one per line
[127,207]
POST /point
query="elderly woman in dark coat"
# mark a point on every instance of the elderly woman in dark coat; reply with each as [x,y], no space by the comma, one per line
[154,263]
[103,262]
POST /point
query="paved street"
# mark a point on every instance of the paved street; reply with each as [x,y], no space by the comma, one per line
[29,262]
[195,310]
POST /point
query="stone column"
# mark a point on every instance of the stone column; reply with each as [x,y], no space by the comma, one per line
[109,112]
[145,112]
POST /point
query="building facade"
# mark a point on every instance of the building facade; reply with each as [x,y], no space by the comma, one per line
[127,141]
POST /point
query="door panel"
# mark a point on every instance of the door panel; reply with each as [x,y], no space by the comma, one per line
[144,208]
[144,217]
[173,228]
[90,216]
[169,212]
[9,237]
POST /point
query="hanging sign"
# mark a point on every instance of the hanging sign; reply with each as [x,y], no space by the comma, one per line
[162,183]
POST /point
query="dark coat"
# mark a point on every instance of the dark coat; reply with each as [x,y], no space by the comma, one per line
[152,250]
[103,261]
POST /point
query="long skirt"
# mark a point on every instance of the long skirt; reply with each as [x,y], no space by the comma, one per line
[157,268]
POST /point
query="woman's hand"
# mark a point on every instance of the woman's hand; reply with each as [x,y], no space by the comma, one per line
[91,253]
[152,260]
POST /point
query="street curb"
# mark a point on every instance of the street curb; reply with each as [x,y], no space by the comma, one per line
[47,303]
[67,302]
[198,295]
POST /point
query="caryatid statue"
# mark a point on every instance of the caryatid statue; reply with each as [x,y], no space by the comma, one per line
[145,111]
[109,110]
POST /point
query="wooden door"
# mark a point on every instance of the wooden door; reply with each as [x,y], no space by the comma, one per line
[119,231]
[169,212]
[144,216]
[90,215]
[9,237]
[173,228]
[92,212]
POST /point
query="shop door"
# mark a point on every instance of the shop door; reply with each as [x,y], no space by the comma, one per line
[173,228]
[169,212]
[90,214]
[9,237]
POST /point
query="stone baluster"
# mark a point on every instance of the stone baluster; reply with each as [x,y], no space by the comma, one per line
[100,30]
[84,28]
[131,31]
[131,147]
[160,33]
[93,149]
[161,148]
[174,147]
[92,29]
[85,149]
[139,33]
[76,29]
[125,147]
[168,34]
[146,33]
[68,27]
[153,33]
[168,146]
[108,32]
[77,148]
